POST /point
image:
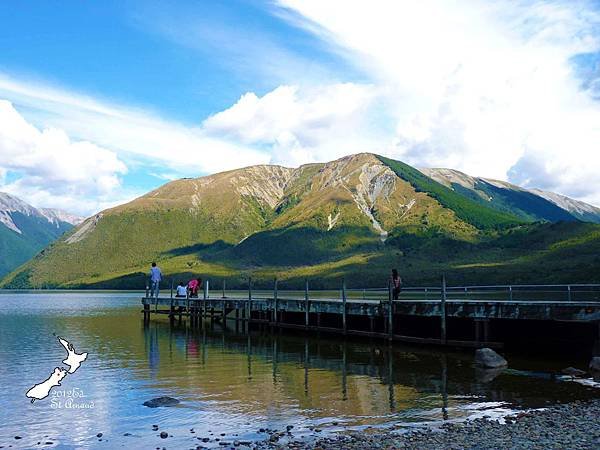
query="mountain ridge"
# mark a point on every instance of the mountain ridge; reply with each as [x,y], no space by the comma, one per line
[534,204]
[355,215]
[25,230]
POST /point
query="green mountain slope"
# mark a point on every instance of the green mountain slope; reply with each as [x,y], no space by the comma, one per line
[481,216]
[355,217]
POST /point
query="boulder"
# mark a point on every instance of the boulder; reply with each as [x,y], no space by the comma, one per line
[161,401]
[573,372]
[486,357]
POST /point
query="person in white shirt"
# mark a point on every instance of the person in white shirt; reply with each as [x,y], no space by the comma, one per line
[155,278]
[181,290]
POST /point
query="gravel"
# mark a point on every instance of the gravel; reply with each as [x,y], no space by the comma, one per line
[570,426]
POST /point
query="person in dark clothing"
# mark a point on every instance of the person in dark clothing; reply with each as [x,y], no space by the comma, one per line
[396,283]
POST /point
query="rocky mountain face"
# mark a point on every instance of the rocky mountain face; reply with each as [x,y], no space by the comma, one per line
[25,230]
[528,204]
[353,215]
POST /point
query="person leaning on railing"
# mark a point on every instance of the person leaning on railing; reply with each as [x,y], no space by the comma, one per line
[396,284]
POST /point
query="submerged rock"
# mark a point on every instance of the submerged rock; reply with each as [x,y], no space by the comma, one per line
[487,375]
[161,401]
[486,357]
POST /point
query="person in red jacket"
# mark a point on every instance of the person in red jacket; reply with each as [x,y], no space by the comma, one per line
[194,285]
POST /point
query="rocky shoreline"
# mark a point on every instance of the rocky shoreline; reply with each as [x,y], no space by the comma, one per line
[569,426]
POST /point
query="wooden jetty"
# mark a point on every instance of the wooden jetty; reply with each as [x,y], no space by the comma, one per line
[373,312]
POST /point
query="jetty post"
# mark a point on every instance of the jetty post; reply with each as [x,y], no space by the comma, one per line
[306,304]
[275,317]
[443,312]
[344,299]
[223,294]
[224,312]
[205,297]
[249,304]
[390,312]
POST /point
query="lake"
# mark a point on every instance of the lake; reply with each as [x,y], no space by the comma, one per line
[230,383]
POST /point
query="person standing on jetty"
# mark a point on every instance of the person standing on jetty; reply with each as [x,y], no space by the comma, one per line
[155,277]
[396,283]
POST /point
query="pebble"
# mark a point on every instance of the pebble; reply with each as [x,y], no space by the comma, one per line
[572,426]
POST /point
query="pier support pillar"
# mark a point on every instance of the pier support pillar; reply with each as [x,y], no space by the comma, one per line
[482,330]
[486,330]
[344,307]
[443,312]
[306,305]
[146,314]
[390,322]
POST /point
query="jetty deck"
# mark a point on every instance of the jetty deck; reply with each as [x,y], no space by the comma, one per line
[373,313]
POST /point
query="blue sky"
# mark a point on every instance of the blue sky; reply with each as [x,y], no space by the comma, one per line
[102,101]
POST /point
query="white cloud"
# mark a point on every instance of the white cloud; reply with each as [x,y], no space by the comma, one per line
[52,166]
[300,125]
[71,150]
[485,87]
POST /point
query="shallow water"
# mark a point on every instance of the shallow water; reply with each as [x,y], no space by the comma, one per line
[231,382]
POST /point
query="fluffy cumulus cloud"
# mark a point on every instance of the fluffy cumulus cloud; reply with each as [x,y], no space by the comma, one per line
[53,168]
[487,87]
[300,125]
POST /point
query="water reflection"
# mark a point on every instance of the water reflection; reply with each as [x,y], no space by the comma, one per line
[233,380]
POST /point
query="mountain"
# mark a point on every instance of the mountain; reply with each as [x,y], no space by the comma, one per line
[528,204]
[355,217]
[25,230]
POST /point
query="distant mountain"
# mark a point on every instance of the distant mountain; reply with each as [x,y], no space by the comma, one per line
[355,217]
[528,204]
[25,230]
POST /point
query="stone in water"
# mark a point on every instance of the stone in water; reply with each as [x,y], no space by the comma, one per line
[161,401]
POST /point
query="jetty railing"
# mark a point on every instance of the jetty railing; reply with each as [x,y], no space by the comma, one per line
[496,293]
[492,293]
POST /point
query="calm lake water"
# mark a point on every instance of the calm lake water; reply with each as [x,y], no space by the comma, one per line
[230,382]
